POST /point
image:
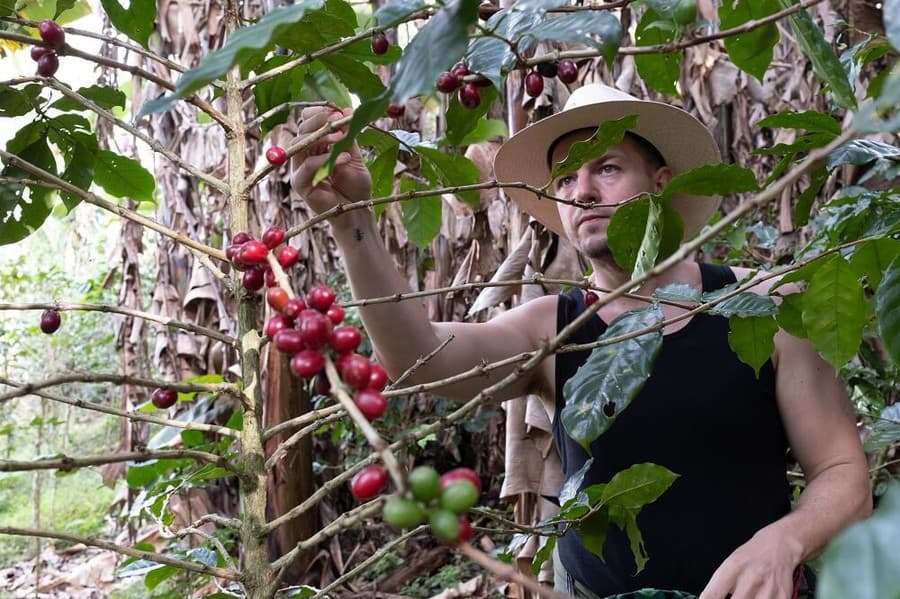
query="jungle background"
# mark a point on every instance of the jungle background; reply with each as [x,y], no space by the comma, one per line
[81,253]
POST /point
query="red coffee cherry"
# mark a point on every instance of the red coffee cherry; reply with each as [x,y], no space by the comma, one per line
[164,398]
[469,96]
[465,529]
[277,297]
[567,71]
[345,339]
[315,328]
[269,276]
[240,239]
[395,111]
[307,363]
[293,308]
[534,84]
[276,156]
[50,321]
[380,43]
[368,483]
[320,298]
[48,64]
[253,252]
[458,474]
[38,51]
[272,237]
[371,403]
[378,378]
[590,298]
[287,255]
[460,70]
[356,371]
[447,82]
[52,33]
[486,10]
[253,279]
[276,323]
[335,314]
[288,341]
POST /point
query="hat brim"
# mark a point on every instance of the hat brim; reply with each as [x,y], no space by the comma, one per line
[683,141]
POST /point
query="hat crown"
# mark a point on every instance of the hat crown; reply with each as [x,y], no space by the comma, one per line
[596,93]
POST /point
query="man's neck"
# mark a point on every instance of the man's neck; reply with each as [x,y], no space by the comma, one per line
[607,275]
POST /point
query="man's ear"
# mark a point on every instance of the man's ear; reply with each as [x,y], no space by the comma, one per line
[661,178]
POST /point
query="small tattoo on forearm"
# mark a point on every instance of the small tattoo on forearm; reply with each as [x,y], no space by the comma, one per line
[358,234]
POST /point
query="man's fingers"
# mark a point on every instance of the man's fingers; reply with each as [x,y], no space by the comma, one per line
[718,586]
[303,175]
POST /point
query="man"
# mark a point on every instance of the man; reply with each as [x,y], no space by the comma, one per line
[725,526]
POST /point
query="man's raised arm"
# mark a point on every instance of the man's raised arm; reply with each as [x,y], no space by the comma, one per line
[401,332]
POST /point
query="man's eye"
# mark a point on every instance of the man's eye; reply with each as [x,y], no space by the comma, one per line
[564,181]
[609,169]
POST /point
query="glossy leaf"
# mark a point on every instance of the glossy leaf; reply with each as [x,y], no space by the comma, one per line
[246,45]
[101,95]
[79,156]
[280,89]
[810,120]
[573,484]
[609,133]
[421,216]
[15,102]
[753,339]
[821,54]
[628,229]
[450,169]
[678,292]
[711,180]
[872,258]
[887,310]
[805,201]
[834,311]
[485,130]
[863,562]
[790,315]
[745,305]
[660,71]
[885,430]
[357,77]
[397,11]
[543,554]
[20,217]
[612,374]
[750,51]
[582,28]
[862,151]
[648,251]
[626,494]
[136,21]
[121,177]
[487,56]
[462,121]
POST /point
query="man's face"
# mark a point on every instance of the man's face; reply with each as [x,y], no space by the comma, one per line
[621,173]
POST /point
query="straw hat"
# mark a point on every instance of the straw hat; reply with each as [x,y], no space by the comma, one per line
[683,141]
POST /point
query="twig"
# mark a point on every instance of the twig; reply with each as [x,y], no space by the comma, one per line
[66,463]
[289,443]
[190,530]
[111,207]
[139,416]
[118,379]
[129,551]
[163,320]
[421,362]
[375,557]
[286,106]
[213,182]
[313,416]
[508,573]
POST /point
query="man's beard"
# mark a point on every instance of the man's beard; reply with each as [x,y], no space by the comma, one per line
[596,248]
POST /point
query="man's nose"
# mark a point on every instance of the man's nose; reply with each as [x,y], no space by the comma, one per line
[584,189]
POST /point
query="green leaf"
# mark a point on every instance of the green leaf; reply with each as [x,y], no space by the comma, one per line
[485,130]
[627,493]
[382,171]
[79,155]
[862,151]
[628,228]
[863,562]
[825,61]
[810,120]
[790,315]
[659,71]
[136,21]
[14,102]
[678,292]
[318,29]
[487,55]
[421,216]
[593,531]
[121,176]
[609,133]
[244,46]
[581,28]
[648,251]
[101,95]
[139,476]
[573,484]
[745,305]
[872,258]
[543,554]
[891,11]
[434,49]
[887,310]
[397,11]
[612,374]
[449,170]
[157,576]
[356,76]
[753,339]
[280,89]
[834,311]
[462,121]
[21,214]
[805,201]
[711,180]
[750,51]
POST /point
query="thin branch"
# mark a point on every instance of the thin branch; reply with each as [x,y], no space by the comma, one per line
[372,559]
[190,530]
[163,320]
[154,144]
[509,573]
[129,551]
[139,416]
[285,446]
[286,106]
[66,463]
[90,198]
[299,421]
[118,379]
[421,361]
[216,519]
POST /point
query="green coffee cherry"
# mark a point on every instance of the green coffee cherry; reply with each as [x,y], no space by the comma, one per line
[444,526]
[402,513]
[425,483]
[458,497]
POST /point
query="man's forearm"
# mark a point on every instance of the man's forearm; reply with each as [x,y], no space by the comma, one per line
[834,499]
[400,331]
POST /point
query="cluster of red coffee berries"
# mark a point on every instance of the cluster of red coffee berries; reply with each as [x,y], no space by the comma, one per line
[449,81]
[443,499]
[50,321]
[566,70]
[45,56]
[251,256]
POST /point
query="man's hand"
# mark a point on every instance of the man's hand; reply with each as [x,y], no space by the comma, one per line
[761,568]
[349,180]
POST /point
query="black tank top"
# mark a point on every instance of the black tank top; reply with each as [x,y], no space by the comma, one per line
[702,414]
